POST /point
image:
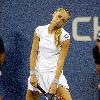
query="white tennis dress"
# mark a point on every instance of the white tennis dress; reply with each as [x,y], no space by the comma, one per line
[48,55]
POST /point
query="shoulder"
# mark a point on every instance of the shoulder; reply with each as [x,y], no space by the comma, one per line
[39,30]
[65,35]
[95,51]
[95,48]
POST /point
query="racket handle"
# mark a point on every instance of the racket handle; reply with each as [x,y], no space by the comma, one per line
[41,90]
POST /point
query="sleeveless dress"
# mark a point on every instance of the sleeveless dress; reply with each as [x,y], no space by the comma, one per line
[48,55]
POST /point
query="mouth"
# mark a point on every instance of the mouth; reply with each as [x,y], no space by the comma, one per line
[58,25]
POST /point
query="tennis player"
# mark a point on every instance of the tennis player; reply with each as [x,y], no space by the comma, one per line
[49,50]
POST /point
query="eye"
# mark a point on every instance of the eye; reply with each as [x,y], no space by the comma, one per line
[59,16]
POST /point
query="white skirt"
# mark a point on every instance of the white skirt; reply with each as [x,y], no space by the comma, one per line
[45,79]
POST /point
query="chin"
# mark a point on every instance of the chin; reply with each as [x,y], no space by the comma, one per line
[58,26]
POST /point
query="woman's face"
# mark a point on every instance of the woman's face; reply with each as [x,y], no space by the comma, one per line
[59,18]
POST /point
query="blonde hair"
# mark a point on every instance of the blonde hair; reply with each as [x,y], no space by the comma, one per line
[58,32]
[64,9]
[57,37]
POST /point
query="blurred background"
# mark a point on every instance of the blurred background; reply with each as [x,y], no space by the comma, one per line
[18,20]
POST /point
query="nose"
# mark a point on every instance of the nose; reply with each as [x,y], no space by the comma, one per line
[59,21]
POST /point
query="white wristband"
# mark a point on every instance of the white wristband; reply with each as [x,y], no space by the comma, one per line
[32,72]
[56,81]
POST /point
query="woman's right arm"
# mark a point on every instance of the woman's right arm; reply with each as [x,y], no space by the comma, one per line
[34,52]
[33,58]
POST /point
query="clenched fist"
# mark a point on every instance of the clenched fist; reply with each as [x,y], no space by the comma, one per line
[53,88]
[33,80]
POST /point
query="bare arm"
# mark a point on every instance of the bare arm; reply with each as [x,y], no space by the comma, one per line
[2,58]
[63,54]
[33,58]
[34,51]
[98,69]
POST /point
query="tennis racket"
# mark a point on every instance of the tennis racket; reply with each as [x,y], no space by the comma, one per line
[47,95]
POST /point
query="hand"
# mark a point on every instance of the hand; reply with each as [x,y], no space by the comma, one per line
[33,80]
[53,88]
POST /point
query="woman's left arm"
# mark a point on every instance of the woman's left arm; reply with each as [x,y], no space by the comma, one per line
[62,56]
[60,64]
